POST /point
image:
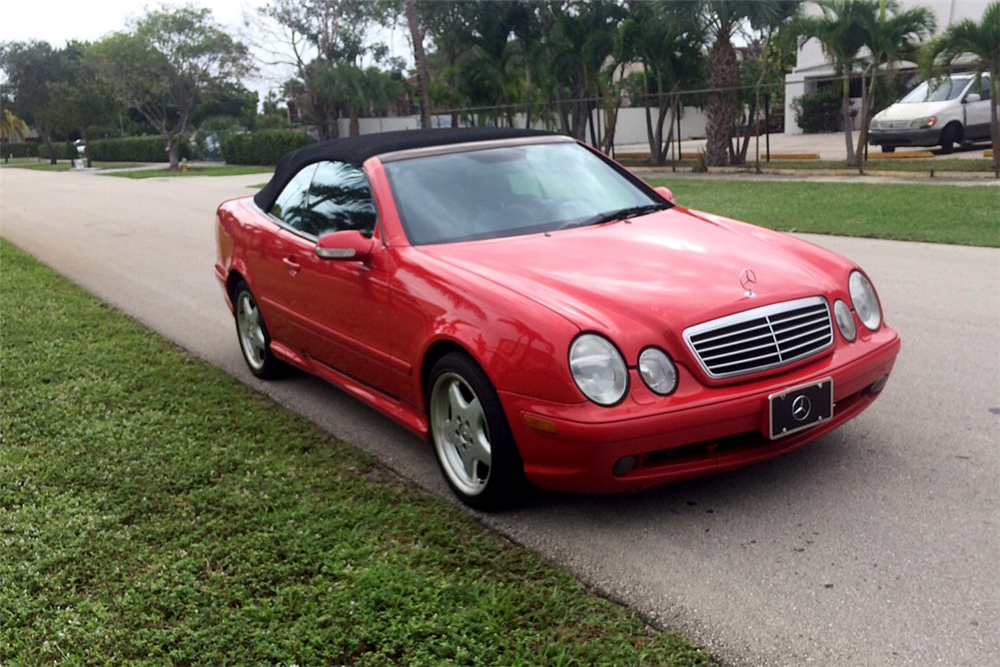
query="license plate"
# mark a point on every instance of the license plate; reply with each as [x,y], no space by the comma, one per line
[800,407]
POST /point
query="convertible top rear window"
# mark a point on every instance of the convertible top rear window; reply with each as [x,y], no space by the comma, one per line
[508,191]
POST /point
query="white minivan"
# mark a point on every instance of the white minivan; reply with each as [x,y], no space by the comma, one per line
[940,112]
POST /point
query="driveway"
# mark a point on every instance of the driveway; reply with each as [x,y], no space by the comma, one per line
[877,545]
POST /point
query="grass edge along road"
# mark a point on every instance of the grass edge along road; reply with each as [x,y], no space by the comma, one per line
[219,170]
[154,508]
[931,213]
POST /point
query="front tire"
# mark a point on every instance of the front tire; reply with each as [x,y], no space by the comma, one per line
[949,135]
[251,330]
[888,149]
[472,439]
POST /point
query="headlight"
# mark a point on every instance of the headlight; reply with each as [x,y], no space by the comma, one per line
[929,121]
[598,369]
[657,371]
[845,320]
[874,125]
[865,301]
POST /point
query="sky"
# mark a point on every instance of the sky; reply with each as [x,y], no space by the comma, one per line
[59,21]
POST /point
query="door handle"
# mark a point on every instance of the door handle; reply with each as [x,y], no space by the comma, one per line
[292,264]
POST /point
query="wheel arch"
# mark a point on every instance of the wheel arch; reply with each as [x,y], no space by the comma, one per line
[433,354]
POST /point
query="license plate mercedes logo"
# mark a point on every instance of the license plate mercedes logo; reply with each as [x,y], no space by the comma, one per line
[801,407]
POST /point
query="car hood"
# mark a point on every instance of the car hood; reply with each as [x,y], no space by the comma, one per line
[654,275]
[913,111]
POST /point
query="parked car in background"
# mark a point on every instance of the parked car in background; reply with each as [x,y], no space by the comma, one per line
[542,315]
[939,112]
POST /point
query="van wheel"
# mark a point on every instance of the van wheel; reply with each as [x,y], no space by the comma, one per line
[949,135]
[888,149]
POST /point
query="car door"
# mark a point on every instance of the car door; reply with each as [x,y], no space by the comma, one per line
[344,304]
[977,114]
[271,264]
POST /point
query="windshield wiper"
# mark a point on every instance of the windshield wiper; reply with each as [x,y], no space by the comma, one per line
[618,214]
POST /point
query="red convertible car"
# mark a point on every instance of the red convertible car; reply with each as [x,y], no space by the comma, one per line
[544,316]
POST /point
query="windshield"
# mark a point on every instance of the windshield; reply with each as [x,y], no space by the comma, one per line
[936,90]
[490,193]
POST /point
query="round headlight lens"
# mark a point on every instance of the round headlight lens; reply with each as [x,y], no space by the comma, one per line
[657,371]
[865,301]
[598,369]
[845,320]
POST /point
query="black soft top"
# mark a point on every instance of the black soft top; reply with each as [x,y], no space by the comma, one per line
[355,150]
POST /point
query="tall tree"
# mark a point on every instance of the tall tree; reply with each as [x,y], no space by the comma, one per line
[979,42]
[840,32]
[30,68]
[582,40]
[667,40]
[313,35]
[165,63]
[420,60]
[83,104]
[892,35]
[724,18]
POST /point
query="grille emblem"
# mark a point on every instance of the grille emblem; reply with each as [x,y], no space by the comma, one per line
[801,407]
[748,279]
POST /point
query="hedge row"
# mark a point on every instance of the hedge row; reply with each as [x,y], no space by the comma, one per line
[134,149]
[18,150]
[262,147]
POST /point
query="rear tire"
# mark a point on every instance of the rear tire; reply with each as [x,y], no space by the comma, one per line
[254,339]
[472,439]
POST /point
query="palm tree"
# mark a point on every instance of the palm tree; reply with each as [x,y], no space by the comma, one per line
[11,126]
[841,34]
[981,42]
[667,40]
[420,60]
[723,18]
[892,36]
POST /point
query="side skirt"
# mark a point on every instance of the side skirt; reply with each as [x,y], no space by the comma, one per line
[400,412]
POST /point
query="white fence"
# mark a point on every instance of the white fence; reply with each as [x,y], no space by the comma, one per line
[630,128]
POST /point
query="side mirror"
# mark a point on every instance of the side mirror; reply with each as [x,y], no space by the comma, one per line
[350,245]
[972,97]
[666,193]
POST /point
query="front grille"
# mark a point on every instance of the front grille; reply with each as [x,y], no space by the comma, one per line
[893,124]
[762,338]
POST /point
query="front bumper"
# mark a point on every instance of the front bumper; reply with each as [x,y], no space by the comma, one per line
[930,136]
[686,435]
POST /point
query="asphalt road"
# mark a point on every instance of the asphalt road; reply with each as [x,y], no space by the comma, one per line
[877,545]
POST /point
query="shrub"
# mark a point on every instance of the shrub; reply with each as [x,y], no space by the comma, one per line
[819,111]
[262,147]
[19,150]
[149,148]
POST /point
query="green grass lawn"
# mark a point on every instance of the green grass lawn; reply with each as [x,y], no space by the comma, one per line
[934,213]
[222,170]
[153,508]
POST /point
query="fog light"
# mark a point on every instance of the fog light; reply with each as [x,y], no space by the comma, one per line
[878,385]
[624,466]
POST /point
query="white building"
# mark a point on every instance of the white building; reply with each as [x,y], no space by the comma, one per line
[811,66]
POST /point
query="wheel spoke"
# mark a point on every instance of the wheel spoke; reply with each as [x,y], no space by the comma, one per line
[470,461]
[473,412]
[456,400]
[480,448]
[258,339]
